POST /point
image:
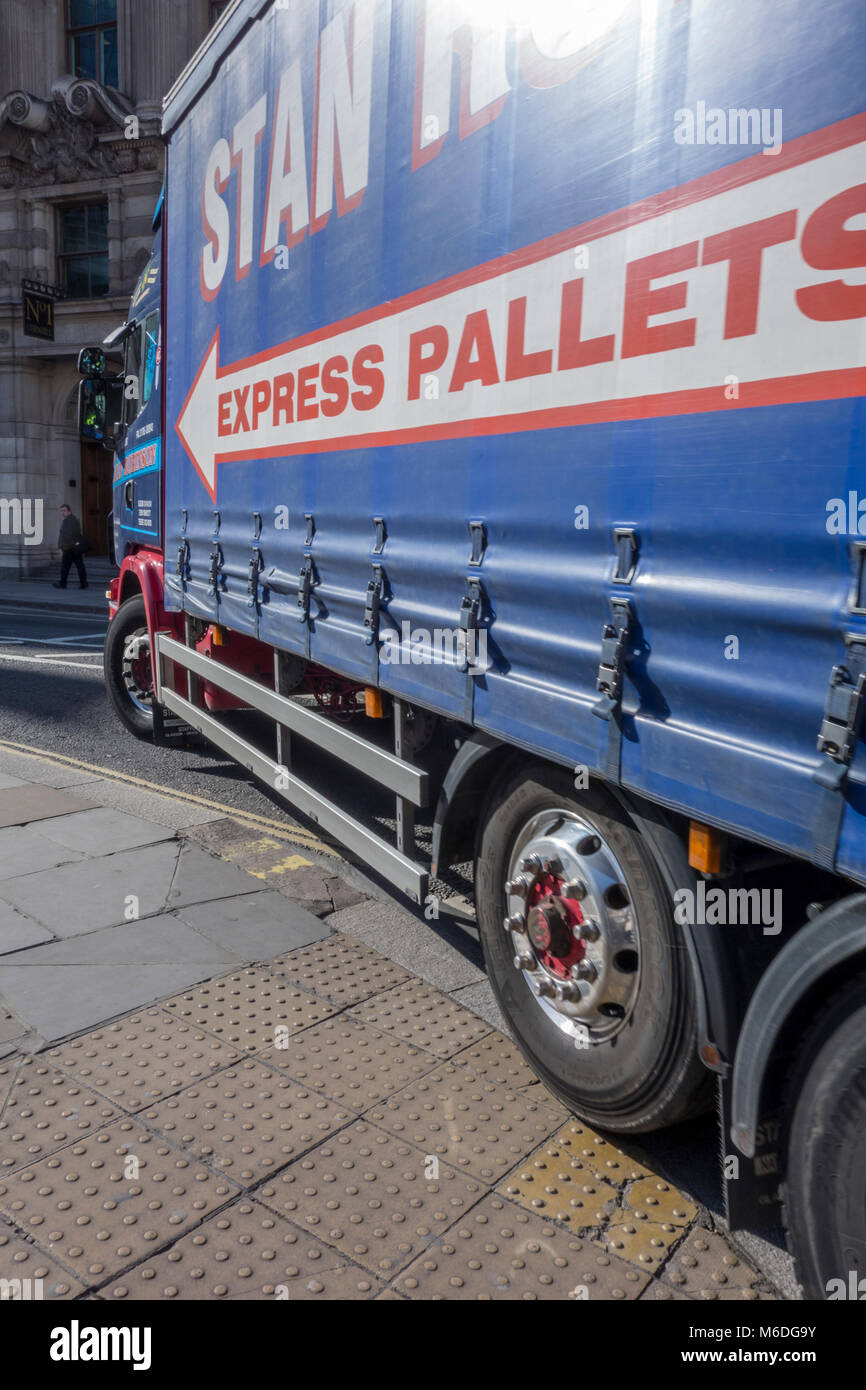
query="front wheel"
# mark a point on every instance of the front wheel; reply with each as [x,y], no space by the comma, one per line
[583,954]
[128,672]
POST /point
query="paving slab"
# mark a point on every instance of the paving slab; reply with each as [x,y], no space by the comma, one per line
[21,804]
[7,781]
[477,1127]
[59,996]
[23,850]
[501,1251]
[85,1205]
[202,877]
[247,1121]
[21,1259]
[251,1009]
[44,1111]
[11,1027]
[350,1061]
[141,1058]
[378,1200]
[103,830]
[246,1252]
[415,944]
[17,931]
[93,893]
[255,926]
[162,940]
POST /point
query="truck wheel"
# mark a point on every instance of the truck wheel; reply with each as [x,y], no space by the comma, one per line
[128,674]
[583,954]
[825,1187]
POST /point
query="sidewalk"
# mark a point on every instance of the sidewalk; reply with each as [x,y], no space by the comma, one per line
[212,1087]
[39,593]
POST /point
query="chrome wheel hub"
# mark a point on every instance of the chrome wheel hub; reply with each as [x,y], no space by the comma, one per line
[572,926]
[136,670]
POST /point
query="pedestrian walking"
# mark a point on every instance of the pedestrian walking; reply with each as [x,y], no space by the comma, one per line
[72,545]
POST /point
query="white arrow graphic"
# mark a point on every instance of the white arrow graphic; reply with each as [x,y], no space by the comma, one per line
[303,396]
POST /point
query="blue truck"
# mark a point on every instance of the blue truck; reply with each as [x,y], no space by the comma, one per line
[489,419]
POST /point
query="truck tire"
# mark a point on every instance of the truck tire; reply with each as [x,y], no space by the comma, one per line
[127,675]
[591,974]
[824,1193]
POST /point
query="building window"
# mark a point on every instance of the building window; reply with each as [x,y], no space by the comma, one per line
[82,249]
[218,9]
[92,30]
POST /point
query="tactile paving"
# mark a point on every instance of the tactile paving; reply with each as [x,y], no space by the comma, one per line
[378,1200]
[140,1058]
[422,1015]
[247,1121]
[644,1243]
[247,1009]
[246,1253]
[25,1262]
[657,1292]
[706,1267]
[476,1126]
[350,1062]
[580,1145]
[101,1204]
[499,1060]
[656,1200]
[44,1111]
[653,1218]
[552,1185]
[502,1251]
[340,969]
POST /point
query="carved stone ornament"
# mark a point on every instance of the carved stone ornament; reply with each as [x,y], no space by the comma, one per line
[78,133]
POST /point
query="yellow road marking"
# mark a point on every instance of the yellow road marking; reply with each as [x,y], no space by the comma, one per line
[305,839]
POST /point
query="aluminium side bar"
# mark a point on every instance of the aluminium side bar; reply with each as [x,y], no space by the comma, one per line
[409,877]
[385,768]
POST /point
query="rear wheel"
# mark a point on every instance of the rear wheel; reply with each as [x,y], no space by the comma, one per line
[128,672]
[583,954]
[825,1189]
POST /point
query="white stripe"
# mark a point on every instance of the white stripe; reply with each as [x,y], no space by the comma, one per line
[51,661]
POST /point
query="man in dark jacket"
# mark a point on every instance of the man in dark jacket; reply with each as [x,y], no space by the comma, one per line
[69,543]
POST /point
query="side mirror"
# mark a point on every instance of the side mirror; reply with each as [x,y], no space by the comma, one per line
[92,409]
[91,362]
[98,400]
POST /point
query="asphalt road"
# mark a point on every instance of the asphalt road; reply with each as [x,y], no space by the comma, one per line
[52,697]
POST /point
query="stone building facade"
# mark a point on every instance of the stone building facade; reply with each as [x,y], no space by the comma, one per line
[81,157]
